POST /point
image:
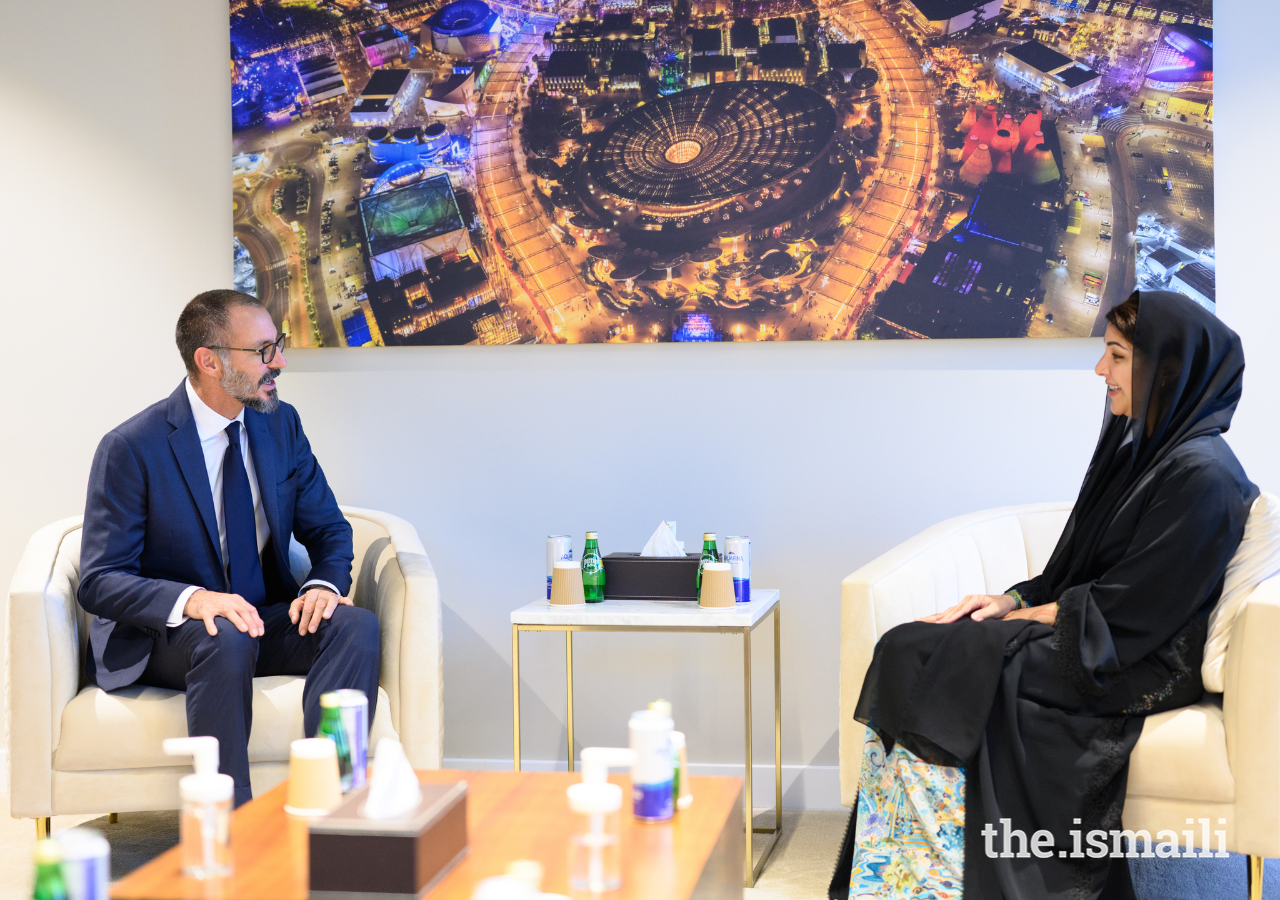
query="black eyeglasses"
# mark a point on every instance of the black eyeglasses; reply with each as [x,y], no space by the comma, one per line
[268,353]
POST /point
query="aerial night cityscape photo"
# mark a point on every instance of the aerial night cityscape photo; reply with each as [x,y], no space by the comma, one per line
[430,172]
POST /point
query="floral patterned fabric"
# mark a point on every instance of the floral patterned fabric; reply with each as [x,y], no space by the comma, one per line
[910,837]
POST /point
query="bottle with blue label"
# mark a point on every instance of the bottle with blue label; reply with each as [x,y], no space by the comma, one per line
[559,547]
[737,553]
[652,774]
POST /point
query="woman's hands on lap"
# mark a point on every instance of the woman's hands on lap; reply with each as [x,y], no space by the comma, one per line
[1046,613]
[976,607]
[993,606]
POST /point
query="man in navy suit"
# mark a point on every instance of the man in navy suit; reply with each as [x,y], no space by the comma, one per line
[184,558]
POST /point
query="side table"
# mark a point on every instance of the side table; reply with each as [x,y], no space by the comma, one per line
[669,616]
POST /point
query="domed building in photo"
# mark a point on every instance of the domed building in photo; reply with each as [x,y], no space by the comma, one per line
[467,29]
[750,156]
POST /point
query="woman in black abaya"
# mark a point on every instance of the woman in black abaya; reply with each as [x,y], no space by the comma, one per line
[1025,706]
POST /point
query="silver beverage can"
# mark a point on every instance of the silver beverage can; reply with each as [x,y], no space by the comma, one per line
[86,863]
[559,546]
[737,553]
[355,721]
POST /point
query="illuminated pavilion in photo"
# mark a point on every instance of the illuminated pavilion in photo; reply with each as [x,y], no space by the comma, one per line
[406,226]
[755,156]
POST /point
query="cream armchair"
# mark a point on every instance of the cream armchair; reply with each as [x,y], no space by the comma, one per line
[76,749]
[1216,759]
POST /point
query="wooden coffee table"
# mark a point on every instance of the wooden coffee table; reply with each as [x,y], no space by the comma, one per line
[510,815]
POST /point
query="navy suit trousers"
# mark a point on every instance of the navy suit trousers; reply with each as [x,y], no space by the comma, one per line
[217,672]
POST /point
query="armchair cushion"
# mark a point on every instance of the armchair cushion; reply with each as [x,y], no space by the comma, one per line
[124,729]
[1256,560]
[1182,755]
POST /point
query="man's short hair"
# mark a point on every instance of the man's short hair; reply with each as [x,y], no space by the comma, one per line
[204,321]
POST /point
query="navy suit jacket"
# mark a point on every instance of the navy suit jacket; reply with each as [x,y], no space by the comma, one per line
[150,530]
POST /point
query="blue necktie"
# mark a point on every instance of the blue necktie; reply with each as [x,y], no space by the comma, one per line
[242,530]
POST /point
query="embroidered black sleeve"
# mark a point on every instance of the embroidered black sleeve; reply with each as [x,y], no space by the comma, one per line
[1031,591]
[1184,656]
[1067,634]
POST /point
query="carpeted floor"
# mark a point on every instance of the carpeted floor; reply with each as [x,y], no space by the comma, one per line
[135,839]
[799,869]
[1200,879]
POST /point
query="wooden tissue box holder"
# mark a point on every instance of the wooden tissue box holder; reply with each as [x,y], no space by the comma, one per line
[388,859]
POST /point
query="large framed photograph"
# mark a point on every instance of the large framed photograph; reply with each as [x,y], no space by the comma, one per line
[621,171]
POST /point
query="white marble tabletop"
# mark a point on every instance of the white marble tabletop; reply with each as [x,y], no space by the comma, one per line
[650,613]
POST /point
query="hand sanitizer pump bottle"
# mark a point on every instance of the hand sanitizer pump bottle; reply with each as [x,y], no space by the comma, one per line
[595,863]
[205,824]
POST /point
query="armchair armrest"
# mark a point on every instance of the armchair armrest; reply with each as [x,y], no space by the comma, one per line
[858,636]
[41,665]
[895,587]
[394,578]
[1251,715]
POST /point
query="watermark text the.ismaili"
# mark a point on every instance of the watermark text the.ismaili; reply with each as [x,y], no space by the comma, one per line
[1097,843]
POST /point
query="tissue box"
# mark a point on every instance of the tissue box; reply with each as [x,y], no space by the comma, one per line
[630,576]
[400,858]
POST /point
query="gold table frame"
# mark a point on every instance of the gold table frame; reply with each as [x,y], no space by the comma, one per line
[751,872]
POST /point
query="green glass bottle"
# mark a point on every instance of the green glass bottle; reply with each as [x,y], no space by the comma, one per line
[331,727]
[709,554]
[49,884]
[592,570]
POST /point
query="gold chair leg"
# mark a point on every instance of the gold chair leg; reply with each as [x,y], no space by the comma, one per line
[112,818]
[42,827]
[1255,877]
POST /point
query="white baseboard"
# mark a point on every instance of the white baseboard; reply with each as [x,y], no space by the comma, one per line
[803,787]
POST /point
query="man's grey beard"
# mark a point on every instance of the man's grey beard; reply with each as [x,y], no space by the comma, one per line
[242,386]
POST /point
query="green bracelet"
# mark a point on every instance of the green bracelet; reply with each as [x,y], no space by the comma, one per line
[1019,603]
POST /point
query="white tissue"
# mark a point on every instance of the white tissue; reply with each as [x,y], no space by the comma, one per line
[663,543]
[393,787]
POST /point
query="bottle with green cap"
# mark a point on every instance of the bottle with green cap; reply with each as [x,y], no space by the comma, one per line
[49,884]
[663,707]
[592,570]
[709,554]
[331,727]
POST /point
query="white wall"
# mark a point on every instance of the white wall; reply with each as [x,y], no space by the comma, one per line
[116,181]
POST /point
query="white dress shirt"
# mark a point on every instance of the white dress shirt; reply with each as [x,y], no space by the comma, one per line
[212,430]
